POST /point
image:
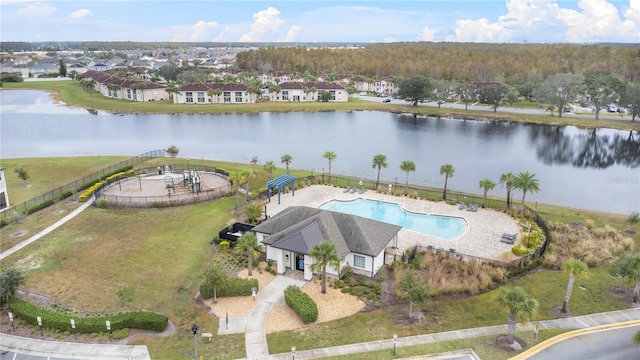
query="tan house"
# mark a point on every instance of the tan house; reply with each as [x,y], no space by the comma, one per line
[310,91]
[229,93]
[118,87]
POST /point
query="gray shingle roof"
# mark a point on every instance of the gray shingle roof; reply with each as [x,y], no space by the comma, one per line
[298,228]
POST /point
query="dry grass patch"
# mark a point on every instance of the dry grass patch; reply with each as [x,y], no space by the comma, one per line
[445,274]
[586,242]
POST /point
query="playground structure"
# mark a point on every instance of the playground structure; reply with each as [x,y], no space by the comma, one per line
[165,187]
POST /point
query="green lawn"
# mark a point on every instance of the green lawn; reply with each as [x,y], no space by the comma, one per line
[72,94]
[49,173]
[163,252]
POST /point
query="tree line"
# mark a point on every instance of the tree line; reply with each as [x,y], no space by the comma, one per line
[507,63]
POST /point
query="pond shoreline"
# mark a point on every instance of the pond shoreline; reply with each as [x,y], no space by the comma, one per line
[96,101]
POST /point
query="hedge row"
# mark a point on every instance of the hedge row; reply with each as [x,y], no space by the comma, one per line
[231,287]
[144,320]
[83,197]
[301,303]
[38,207]
[104,177]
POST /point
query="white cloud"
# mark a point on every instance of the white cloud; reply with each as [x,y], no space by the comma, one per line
[293,33]
[427,34]
[37,9]
[80,14]
[264,21]
[599,20]
[200,31]
[545,20]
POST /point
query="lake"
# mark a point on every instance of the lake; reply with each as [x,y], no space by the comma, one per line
[591,169]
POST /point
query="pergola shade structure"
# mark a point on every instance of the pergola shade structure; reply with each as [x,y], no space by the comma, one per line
[280,182]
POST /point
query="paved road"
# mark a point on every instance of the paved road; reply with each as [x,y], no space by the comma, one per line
[501,109]
[612,344]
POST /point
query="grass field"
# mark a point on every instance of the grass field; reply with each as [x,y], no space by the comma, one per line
[163,252]
[49,173]
[71,93]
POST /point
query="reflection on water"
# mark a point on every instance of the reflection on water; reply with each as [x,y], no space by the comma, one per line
[576,167]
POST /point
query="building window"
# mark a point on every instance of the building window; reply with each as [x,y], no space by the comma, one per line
[358,261]
[333,94]
[239,96]
[200,96]
[285,95]
[227,96]
[189,97]
[128,93]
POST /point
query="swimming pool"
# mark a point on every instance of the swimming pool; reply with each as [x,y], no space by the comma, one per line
[444,227]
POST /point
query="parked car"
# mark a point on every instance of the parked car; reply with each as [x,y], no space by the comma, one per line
[386,100]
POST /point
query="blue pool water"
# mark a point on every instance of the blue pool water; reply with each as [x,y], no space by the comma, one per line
[445,227]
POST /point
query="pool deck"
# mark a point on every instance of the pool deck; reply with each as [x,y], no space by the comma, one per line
[482,239]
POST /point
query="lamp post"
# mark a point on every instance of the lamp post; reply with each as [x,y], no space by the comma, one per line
[395,181]
[293,352]
[323,176]
[11,320]
[188,168]
[194,328]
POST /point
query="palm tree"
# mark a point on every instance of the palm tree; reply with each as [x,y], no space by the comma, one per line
[507,179]
[269,166]
[247,176]
[486,185]
[379,161]
[236,179]
[628,266]
[172,89]
[407,166]
[520,307]
[324,254]
[217,92]
[526,182]
[286,159]
[210,94]
[446,170]
[330,155]
[574,267]
[248,243]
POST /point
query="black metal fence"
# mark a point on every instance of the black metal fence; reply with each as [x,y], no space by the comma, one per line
[517,263]
[72,187]
[164,200]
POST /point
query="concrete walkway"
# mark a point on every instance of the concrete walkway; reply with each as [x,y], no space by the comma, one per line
[49,229]
[578,322]
[255,337]
[68,350]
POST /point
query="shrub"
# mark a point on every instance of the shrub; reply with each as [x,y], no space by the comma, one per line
[237,287]
[377,288]
[15,218]
[102,203]
[634,218]
[87,194]
[224,245]
[144,320]
[339,284]
[38,207]
[519,250]
[66,194]
[301,303]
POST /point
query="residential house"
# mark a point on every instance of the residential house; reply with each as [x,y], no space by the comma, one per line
[231,93]
[385,86]
[124,88]
[302,91]
[360,242]
[4,195]
[37,69]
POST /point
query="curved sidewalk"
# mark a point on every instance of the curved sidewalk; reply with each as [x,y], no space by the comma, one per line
[577,322]
[49,229]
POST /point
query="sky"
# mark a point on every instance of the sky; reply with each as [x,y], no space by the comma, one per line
[373,21]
